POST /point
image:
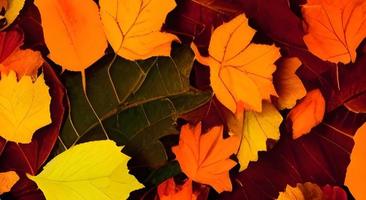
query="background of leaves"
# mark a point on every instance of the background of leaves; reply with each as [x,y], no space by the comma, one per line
[320,157]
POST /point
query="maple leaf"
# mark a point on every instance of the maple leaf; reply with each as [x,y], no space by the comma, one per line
[25,107]
[240,72]
[288,85]
[92,170]
[7,181]
[256,129]
[307,114]
[133,27]
[74,36]
[355,176]
[205,158]
[168,190]
[334,28]
[12,10]
[306,191]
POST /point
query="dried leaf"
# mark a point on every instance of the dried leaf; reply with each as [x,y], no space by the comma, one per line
[7,181]
[306,191]
[288,85]
[335,28]
[240,72]
[205,158]
[168,190]
[307,114]
[356,174]
[23,62]
[74,36]
[257,128]
[25,107]
[133,27]
[92,170]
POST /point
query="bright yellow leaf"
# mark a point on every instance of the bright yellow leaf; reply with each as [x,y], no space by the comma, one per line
[92,170]
[7,181]
[12,11]
[133,27]
[306,191]
[23,62]
[288,85]
[73,32]
[257,128]
[24,107]
[356,174]
[240,72]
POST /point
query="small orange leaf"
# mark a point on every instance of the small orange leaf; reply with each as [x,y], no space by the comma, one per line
[307,114]
[7,181]
[356,174]
[23,62]
[240,72]
[288,85]
[74,36]
[205,158]
[335,28]
[168,190]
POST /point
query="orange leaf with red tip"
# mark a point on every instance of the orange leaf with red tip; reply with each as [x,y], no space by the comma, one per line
[168,190]
[205,158]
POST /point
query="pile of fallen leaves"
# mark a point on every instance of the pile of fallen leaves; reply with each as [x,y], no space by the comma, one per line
[182,100]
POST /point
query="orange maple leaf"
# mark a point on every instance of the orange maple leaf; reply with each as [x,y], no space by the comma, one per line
[335,28]
[307,114]
[240,72]
[168,190]
[7,181]
[205,158]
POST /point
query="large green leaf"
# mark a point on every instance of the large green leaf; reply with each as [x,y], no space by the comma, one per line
[133,103]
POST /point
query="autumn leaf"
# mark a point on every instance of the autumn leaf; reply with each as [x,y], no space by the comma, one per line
[240,72]
[168,190]
[355,176]
[7,181]
[334,29]
[288,85]
[306,191]
[257,129]
[74,36]
[25,107]
[205,158]
[23,62]
[12,10]
[92,170]
[133,27]
[307,114]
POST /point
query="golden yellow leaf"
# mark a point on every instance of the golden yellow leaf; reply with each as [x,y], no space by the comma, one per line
[73,32]
[206,158]
[133,27]
[356,174]
[307,114]
[240,72]
[335,28]
[7,181]
[12,11]
[23,62]
[24,107]
[92,170]
[288,85]
[257,128]
[306,191]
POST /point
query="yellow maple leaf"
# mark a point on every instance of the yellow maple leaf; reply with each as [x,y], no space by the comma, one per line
[24,107]
[255,128]
[13,8]
[73,32]
[7,181]
[133,27]
[288,85]
[92,170]
[356,174]
[306,191]
[240,72]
